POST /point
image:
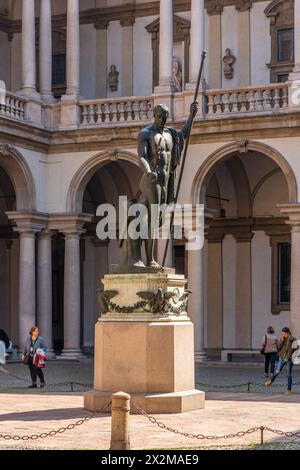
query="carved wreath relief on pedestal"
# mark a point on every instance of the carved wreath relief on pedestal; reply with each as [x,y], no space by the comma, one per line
[157,303]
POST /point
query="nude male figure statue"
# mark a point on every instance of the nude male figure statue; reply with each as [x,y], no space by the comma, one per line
[159,150]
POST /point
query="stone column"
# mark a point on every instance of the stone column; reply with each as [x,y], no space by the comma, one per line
[28,48]
[215,293]
[165,47]
[293,212]
[295,279]
[243,295]
[45,51]
[127,56]
[73,52]
[70,110]
[27,304]
[72,348]
[101,63]
[197,38]
[9,244]
[214,11]
[44,289]
[243,64]
[196,300]
[295,75]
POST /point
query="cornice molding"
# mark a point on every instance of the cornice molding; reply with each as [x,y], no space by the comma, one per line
[103,16]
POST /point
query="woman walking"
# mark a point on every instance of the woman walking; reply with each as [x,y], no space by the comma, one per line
[270,346]
[32,345]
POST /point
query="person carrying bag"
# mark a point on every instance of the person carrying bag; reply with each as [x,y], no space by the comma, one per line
[269,350]
[34,356]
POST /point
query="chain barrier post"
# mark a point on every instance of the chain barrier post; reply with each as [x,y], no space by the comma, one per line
[262,435]
[120,411]
[248,386]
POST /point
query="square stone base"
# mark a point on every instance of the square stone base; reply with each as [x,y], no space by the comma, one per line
[153,403]
[145,354]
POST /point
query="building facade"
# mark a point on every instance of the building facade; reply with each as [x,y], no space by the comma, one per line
[79,80]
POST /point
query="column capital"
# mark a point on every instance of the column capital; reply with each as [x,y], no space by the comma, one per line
[241,237]
[214,236]
[243,5]
[28,221]
[46,234]
[129,21]
[214,8]
[101,24]
[68,223]
[293,213]
[72,234]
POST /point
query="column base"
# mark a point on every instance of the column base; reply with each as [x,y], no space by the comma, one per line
[51,354]
[48,98]
[295,74]
[154,403]
[163,88]
[71,354]
[69,112]
[200,357]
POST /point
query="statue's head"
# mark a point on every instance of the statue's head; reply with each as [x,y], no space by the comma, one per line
[161,114]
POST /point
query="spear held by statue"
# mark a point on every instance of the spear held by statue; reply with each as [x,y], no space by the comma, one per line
[184,156]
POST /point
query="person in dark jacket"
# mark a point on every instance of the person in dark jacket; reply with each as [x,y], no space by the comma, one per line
[285,352]
[4,337]
[33,343]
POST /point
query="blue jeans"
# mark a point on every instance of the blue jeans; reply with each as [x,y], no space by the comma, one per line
[289,364]
[270,359]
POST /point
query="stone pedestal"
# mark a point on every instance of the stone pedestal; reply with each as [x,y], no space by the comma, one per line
[144,345]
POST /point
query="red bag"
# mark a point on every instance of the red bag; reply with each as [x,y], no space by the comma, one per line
[39,360]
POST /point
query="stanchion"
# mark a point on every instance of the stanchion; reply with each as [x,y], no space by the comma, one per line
[120,410]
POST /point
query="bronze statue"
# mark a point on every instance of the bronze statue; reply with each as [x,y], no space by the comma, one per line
[159,150]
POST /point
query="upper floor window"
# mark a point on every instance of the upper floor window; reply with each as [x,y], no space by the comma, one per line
[285,45]
[59,69]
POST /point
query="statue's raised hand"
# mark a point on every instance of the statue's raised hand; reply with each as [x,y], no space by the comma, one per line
[194,109]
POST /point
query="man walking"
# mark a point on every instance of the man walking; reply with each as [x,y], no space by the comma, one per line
[285,352]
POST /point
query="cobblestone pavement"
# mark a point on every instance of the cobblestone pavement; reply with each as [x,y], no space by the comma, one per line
[25,412]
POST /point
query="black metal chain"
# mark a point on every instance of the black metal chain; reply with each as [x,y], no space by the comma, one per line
[161,425]
[54,432]
[48,385]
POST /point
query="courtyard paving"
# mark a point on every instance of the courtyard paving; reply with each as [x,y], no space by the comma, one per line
[24,412]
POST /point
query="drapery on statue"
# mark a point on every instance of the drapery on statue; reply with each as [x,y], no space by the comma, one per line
[113,78]
[177,75]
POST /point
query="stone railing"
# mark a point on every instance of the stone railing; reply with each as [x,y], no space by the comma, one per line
[116,111]
[12,106]
[259,99]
